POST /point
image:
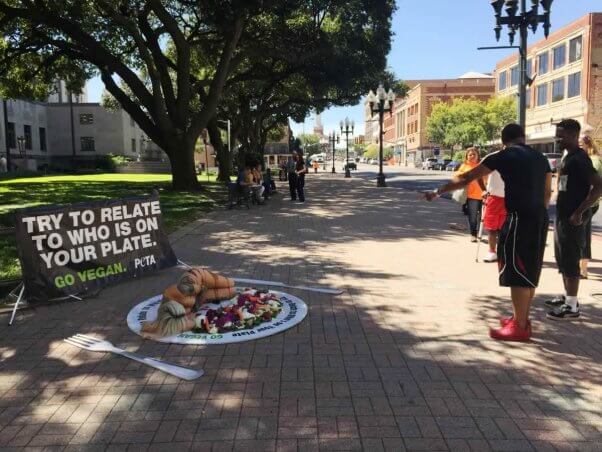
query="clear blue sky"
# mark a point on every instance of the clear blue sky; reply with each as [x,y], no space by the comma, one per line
[436,39]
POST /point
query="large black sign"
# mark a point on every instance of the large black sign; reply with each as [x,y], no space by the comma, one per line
[68,250]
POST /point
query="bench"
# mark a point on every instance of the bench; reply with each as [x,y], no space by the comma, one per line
[239,195]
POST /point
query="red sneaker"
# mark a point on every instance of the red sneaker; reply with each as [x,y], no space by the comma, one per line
[511,332]
[506,320]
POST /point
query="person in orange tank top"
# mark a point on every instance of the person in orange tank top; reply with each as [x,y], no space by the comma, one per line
[474,191]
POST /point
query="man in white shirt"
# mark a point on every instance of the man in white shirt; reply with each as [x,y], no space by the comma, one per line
[495,213]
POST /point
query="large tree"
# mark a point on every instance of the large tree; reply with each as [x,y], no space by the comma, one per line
[166,63]
[125,42]
[326,53]
[465,122]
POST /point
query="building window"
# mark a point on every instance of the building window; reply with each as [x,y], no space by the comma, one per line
[11,136]
[86,118]
[528,98]
[27,134]
[529,68]
[542,63]
[134,145]
[542,94]
[502,81]
[514,76]
[87,144]
[132,123]
[574,82]
[575,49]
[558,89]
[559,56]
[42,131]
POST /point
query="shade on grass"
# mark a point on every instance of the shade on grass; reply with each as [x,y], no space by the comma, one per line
[178,208]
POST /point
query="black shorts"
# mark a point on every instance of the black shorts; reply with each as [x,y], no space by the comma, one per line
[569,245]
[522,242]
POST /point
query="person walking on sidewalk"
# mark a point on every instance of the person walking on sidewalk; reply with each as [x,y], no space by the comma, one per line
[592,150]
[528,186]
[474,191]
[300,171]
[495,213]
[315,166]
[292,175]
[579,187]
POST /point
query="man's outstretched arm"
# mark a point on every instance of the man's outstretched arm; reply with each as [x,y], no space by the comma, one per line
[460,181]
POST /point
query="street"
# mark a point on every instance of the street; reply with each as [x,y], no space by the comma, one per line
[417,179]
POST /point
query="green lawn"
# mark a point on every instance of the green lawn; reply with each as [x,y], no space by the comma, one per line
[178,207]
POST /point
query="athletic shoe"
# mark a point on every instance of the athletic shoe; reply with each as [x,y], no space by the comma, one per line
[511,332]
[491,257]
[564,312]
[556,301]
[474,239]
[507,319]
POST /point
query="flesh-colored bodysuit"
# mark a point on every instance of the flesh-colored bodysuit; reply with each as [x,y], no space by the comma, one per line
[176,313]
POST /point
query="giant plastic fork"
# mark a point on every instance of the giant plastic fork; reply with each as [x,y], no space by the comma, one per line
[99,345]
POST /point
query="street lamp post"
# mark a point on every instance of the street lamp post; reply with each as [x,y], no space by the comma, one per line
[377,103]
[347,128]
[521,22]
[333,139]
[204,135]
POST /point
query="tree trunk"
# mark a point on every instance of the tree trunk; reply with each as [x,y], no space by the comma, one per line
[183,173]
[224,158]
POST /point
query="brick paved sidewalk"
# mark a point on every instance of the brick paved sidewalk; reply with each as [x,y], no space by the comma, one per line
[401,361]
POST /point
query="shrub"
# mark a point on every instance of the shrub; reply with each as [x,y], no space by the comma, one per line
[111,162]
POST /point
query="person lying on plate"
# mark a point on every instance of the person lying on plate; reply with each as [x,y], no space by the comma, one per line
[177,311]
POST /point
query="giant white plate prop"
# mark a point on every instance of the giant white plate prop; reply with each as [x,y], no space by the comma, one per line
[293,312]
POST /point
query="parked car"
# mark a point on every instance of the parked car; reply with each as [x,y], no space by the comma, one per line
[363,160]
[373,161]
[453,166]
[429,163]
[441,164]
[554,160]
[351,164]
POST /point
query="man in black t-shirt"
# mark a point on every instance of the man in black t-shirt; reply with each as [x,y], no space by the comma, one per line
[527,178]
[579,186]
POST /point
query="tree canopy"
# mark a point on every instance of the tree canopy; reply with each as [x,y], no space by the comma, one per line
[167,63]
[466,122]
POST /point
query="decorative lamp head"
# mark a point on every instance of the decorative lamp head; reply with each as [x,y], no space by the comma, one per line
[497,6]
[511,8]
[546,5]
[381,93]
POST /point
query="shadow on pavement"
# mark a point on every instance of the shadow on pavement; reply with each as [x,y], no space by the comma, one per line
[400,360]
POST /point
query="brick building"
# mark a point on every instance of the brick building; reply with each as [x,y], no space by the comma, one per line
[568,82]
[405,129]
